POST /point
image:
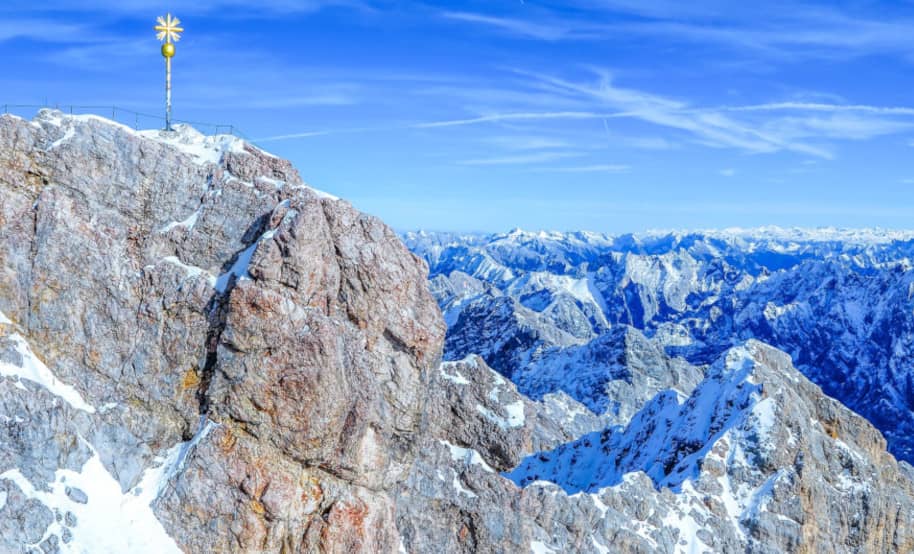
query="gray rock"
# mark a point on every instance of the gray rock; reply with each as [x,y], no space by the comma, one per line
[76,495]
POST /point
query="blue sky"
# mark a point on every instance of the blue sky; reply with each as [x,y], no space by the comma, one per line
[607,115]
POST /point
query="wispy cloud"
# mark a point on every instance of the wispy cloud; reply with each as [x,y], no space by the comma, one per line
[306,134]
[524,159]
[146,7]
[512,116]
[526,142]
[728,172]
[785,30]
[820,107]
[43,30]
[101,55]
[837,127]
[708,126]
[320,133]
[649,143]
[807,128]
[595,168]
[542,31]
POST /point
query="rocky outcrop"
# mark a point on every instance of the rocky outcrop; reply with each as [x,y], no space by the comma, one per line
[756,459]
[192,291]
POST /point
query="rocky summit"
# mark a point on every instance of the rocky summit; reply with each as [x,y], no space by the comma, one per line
[191,333]
[201,353]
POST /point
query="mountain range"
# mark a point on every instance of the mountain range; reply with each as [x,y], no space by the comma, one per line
[547,309]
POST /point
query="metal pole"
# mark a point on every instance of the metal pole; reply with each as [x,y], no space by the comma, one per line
[168,93]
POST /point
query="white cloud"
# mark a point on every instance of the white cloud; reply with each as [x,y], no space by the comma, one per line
[523,159]
[728,172]
[708,126]
[596,168]
[842,126]
[518,142]
[650,143]
[820,107]
[542,31]
[291,136]
[44,31]
[511,116]
[154,7]
[780,29]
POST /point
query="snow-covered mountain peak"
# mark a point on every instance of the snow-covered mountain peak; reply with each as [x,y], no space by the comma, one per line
[741,458]
[668,439]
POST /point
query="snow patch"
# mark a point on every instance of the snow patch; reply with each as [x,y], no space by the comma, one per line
[458,486]
[111,520]
[239,269]
[764,412]
[202,148]
[539,547]
[33,369]
[70,132]
[467,456]
[321,194]
[515,415]
[457,377]
[191,270]
[515,411]
[188,222]
[599,547]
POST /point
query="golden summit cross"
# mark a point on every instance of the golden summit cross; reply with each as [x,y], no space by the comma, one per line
[168,29]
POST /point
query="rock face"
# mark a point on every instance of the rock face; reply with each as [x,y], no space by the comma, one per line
[192,291]
[199,353]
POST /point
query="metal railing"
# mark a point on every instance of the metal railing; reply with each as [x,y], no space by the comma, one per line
[125,116]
